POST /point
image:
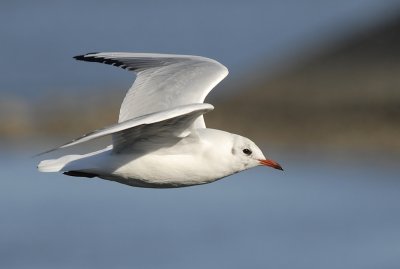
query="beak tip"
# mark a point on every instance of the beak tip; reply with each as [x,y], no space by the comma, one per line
[272,164]
[277,166]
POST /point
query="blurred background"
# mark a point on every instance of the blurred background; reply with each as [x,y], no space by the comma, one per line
[316,83]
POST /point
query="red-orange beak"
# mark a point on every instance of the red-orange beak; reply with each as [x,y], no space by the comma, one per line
[271,163]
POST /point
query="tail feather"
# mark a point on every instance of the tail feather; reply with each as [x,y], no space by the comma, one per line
[57,165]
[49,166]
[75,165]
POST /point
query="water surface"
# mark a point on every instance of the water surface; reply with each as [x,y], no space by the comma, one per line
[319,213]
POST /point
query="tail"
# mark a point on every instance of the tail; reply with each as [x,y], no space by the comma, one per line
[74,165]
[60,165]
[57,165]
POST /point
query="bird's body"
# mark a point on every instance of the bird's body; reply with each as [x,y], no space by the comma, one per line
[162,141]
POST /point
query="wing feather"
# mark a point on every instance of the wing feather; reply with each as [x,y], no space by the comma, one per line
[170,123]
[164,81]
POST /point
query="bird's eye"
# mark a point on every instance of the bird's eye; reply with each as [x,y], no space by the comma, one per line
[247,151]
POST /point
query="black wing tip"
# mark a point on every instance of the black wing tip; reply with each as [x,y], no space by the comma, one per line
[84,57]
[79,174]
[43,153]
[91,57]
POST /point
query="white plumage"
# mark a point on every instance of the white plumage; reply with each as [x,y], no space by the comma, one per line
[161,139]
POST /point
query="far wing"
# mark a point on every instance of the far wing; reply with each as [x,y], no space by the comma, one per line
[172,123]
[164,81]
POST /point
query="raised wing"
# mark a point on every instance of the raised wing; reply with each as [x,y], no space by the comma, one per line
[164,81]
[172,123]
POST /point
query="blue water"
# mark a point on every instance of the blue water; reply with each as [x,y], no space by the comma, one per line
[320,213]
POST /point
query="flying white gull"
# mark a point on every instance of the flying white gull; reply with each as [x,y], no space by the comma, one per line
[161,140]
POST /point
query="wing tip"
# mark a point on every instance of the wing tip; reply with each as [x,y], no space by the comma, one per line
[84,57]
[44,153]
[98,57]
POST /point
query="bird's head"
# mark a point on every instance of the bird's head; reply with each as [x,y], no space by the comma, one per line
[249,154]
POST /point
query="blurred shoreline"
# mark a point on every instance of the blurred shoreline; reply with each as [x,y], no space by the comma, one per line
[346,97]
[273,121]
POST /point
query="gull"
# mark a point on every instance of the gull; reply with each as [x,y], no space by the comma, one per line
[161,140]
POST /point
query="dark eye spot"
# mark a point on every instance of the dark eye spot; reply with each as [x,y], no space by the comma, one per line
[247,151]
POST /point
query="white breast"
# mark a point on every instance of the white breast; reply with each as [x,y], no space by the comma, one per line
[186,163]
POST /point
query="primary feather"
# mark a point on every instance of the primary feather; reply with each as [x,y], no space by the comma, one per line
[163,81]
